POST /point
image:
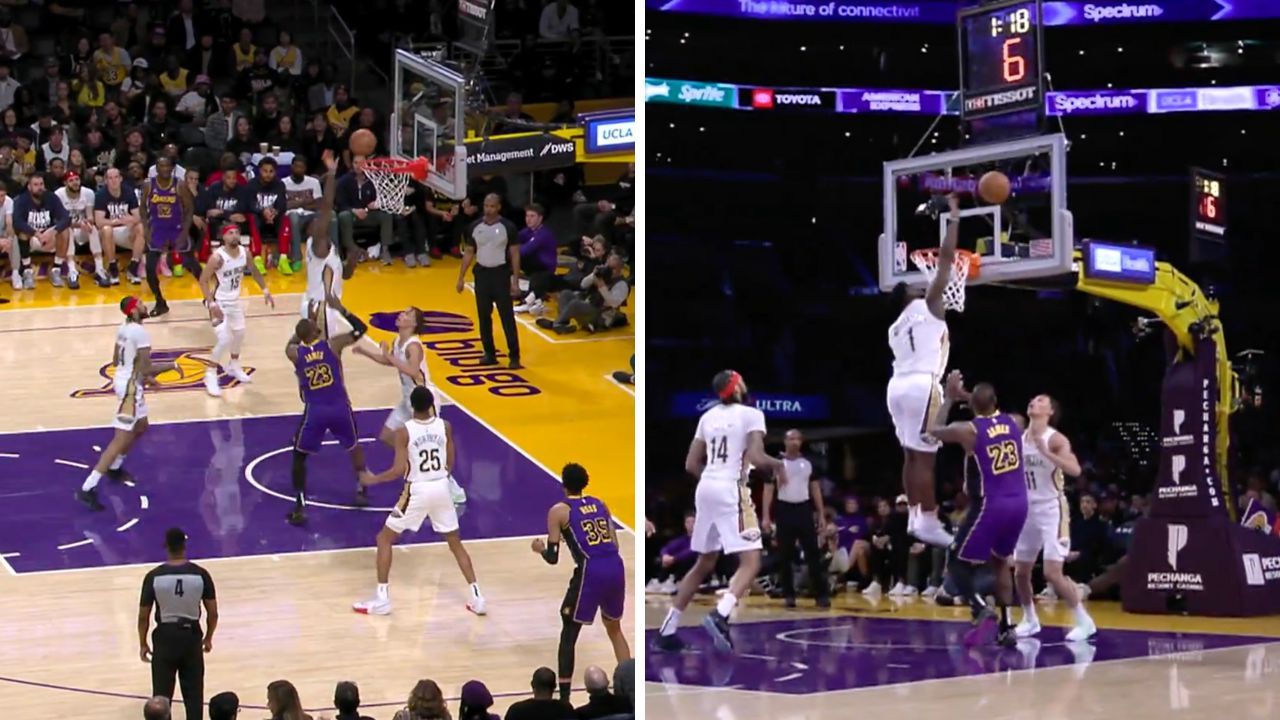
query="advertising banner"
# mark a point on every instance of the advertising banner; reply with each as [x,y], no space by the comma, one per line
[773,405]
[519,153]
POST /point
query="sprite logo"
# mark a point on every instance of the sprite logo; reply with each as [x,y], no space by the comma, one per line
[705,94]
[691,93]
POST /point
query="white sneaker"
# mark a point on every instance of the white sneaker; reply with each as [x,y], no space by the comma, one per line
[654,587]
[929,530]
[211,383]
[522,308]
[477,605]
[1083,631]
[1027,628]
[929,592]
[17,280]
[909,591]
[1084,591]
[912,514]
[238,373]
[456,493]
[538,309]
[1048,594]
[372,607]
[872,589]
[669,587]
[374,252]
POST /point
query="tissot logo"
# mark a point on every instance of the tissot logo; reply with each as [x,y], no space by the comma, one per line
[999,100]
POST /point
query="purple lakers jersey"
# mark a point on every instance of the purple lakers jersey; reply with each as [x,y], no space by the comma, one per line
[320,375]
[165,212]
[590,533]
[998,456]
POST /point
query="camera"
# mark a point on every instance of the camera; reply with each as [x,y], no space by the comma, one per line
[601,271]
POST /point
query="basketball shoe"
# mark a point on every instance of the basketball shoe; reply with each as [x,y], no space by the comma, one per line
[375,606]
[476,604]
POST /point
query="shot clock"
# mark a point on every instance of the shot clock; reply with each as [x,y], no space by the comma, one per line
[1001,68]
[1208,205]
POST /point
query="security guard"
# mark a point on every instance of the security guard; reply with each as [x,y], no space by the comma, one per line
[494,245]
[799,511]
[177,588]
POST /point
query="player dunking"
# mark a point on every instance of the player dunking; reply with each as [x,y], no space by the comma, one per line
[424,458]
[1048,455]
[997,503]
[133,370]
[728,434]
[326,405]
[920,347]
[166,208]
[324,267]
[220,283]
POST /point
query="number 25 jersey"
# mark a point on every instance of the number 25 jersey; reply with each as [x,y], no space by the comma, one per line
[725,428]
[428,450]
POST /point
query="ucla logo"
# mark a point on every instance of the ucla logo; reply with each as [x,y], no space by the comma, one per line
[187,374]
[434,322]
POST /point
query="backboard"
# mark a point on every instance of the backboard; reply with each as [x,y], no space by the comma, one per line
[1028,236]
[429,119]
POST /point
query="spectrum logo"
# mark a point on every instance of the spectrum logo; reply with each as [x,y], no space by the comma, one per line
[762,99]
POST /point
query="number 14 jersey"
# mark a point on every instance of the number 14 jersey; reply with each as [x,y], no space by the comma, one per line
[428,450]
[725,428]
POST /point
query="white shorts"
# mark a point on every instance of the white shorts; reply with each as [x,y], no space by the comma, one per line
[913,401]
[232,316]
[422,500]
[131,405]
[725,520]
[399,415]
[80,237]
[123,237]
[1048,527]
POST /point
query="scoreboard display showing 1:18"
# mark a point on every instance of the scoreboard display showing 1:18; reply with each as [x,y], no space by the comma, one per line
[1001,59]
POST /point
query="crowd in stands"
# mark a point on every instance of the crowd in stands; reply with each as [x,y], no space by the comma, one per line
[426,701]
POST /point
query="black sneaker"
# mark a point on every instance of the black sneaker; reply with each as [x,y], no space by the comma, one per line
[73,282]
[488,360]
[824,602]
[90,499]
[102,280]
[544,323]
[159,309]
[566,329]
[717,626]
[120,475]
[790,601]
[296,517]
[514,364]
[669,643]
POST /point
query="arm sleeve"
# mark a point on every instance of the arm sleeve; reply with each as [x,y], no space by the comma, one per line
[148,589]
[209,593]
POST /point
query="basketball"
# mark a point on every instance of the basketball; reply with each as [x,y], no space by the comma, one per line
[993,186]
[363,142]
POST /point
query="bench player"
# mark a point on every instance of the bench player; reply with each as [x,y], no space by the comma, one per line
[997,503]
[131,359]
[220,283]
[728,434]
[920,347]
[116,216]
[1048,456]
[424,458]
[79,204]
[599,579]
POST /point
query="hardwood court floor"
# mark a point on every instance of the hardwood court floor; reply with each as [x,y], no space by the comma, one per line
[903,658]
[69,579]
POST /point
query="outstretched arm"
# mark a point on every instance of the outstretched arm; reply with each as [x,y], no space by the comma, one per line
[946,258]
[399,466]
[324,216]
[960,433]
[343,341]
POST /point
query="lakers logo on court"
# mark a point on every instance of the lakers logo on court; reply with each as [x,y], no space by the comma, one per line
[188,373]
[434,322]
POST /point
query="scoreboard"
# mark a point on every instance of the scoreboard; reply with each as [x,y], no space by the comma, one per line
[1208,205]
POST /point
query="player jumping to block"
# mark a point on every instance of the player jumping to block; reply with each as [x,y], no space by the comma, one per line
[324,267]
[327,407]
[1048,456]
[997,503]
[728,434]
[424,458]
[600,579]
[920,347]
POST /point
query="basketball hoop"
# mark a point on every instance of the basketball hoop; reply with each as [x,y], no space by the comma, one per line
[966,265]
[390,177]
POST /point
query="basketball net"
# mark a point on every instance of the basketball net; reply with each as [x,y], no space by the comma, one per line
[953,294]
[390,178]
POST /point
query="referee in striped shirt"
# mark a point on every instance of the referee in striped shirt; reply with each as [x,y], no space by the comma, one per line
[177,589]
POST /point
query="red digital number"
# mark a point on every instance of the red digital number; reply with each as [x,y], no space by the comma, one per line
[1014,67]
[1209,207]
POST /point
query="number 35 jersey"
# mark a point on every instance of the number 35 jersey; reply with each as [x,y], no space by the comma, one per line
[725,428]
[428,450]
[590,531]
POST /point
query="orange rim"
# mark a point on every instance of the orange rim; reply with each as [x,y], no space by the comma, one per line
[974,260]
[416,167]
